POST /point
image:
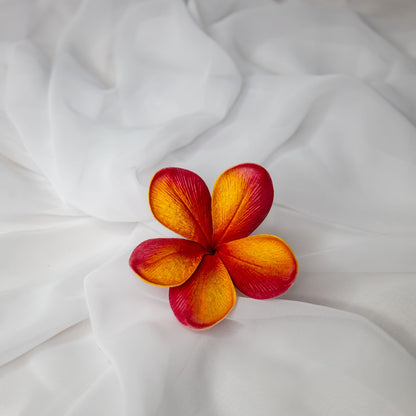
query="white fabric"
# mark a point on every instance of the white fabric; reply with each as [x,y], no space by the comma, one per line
[97,95]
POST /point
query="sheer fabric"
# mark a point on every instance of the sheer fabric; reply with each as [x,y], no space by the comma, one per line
[96,96]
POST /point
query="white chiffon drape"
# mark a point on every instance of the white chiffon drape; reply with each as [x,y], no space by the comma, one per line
[96,96]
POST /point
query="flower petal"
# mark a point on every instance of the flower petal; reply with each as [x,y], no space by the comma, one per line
[241,199]
[166,261]
[206,298]
[261,266]
[181,201]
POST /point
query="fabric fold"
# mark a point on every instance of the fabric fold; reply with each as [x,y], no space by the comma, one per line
[97,96]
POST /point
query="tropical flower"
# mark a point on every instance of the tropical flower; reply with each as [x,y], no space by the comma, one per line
[201,271]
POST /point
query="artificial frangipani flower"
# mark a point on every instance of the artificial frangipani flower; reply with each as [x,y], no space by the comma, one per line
[218,252]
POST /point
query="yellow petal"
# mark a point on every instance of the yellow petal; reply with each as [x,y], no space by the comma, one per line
[166,261]
[261,266]
[206,298]
[180,200]
[241,199]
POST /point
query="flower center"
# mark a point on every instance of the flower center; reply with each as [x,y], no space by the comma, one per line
[212,250]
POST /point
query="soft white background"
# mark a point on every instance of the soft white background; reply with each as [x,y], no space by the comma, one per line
[97,95]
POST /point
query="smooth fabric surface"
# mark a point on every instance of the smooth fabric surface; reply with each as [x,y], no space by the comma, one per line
[98,95]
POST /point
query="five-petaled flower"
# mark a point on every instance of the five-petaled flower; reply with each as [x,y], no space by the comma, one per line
[201,272]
